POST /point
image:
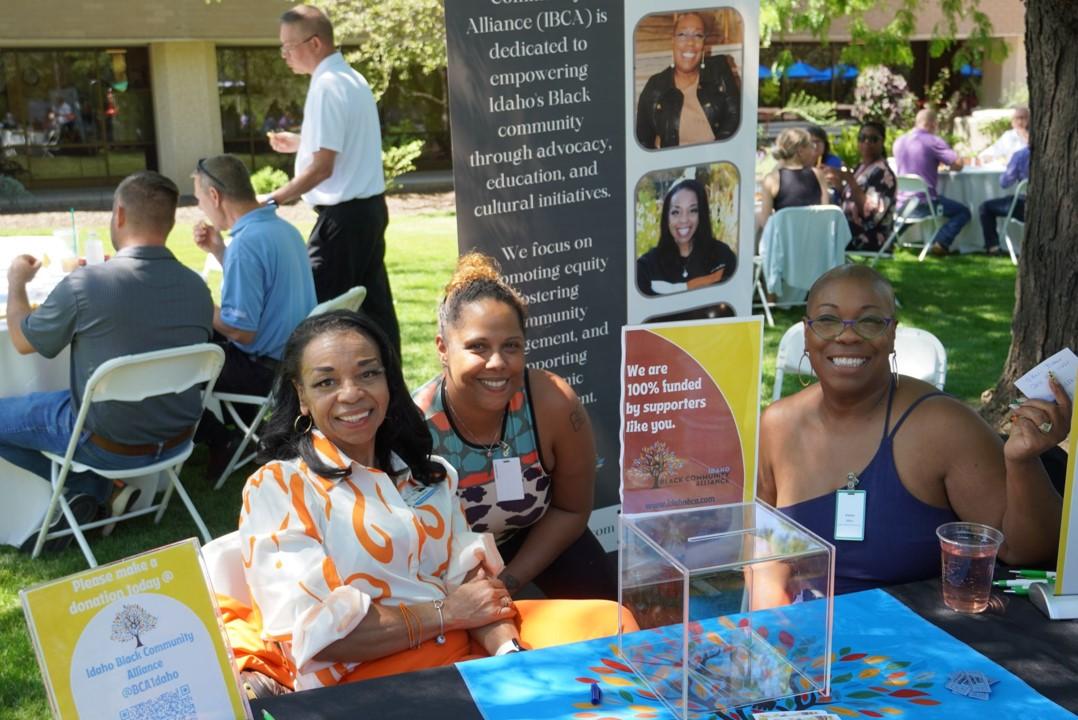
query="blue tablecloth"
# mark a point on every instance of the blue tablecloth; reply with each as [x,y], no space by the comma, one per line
[888,663]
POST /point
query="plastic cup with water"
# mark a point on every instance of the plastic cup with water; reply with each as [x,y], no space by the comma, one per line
[95,250]
[968,553]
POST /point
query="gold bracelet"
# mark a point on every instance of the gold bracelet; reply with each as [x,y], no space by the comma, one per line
[407,625]
[415,636]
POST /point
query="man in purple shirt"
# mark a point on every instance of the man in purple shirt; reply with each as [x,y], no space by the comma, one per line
[1017,170]
[920,152]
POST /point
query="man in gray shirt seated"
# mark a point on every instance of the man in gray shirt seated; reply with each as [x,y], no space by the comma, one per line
[142,299]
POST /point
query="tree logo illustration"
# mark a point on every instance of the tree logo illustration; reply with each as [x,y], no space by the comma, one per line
[659,462]
[131,623]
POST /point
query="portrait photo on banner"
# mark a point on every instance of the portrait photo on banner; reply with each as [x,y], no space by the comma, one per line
[686,228]
[687,69]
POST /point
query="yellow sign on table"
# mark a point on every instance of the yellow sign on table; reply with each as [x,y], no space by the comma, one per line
[690,413]
[138,638]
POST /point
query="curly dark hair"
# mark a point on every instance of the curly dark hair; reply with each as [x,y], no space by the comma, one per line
[478,277]
[669,255]
[403,431]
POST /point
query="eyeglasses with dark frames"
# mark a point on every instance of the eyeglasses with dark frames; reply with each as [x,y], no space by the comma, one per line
[867,327]
[289,47]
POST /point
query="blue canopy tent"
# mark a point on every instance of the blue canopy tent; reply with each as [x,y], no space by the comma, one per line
[841,71]
[765,72]
[803,71]
[968,70]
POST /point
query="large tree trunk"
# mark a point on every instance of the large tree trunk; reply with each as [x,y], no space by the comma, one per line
[1045,313]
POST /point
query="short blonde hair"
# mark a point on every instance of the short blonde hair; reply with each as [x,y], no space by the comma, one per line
[789,142]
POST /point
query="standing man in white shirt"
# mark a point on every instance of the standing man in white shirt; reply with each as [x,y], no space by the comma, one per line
[338,168]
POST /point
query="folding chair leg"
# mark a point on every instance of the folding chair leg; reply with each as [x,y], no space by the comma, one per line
[250,433]
[763,301]
[174,481]
[77,532]
[924,250]
[54,500]
[1010,245]
[73,526]
[890,241]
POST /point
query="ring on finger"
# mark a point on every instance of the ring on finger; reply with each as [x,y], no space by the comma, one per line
[1045,427]
[505,601]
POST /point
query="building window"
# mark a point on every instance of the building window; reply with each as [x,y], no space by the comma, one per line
[258,95]
[76,117]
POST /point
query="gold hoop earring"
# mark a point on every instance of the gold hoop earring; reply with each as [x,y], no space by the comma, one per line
[800,375]
[894,366]
[310,424]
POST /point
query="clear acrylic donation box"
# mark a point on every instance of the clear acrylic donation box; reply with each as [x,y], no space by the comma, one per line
[734,604]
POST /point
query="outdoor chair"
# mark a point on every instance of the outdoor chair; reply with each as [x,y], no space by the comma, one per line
[918,353]
[132,378]
[224,564]
[797,246]
[349,300]
[1014,244]
[904,218]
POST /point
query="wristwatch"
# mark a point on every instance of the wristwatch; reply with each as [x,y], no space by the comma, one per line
[509,646]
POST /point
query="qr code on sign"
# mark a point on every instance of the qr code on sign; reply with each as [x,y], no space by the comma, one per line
[172,705]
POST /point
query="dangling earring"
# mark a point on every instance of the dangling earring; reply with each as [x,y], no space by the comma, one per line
[894,366]
[702,65]
[310,424]
[800,375]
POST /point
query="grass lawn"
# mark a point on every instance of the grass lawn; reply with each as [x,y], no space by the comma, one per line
[966,301]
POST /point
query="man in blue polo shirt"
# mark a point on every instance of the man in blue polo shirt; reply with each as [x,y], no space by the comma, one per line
[267,290]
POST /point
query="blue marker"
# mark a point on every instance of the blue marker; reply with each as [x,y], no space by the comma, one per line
[596,694]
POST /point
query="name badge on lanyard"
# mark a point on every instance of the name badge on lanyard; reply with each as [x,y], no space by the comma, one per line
[850,511]
[508,479]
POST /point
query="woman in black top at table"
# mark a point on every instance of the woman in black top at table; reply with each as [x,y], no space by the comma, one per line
[687,255]
[795,182]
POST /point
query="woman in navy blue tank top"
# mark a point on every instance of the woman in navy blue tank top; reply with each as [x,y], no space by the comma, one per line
[922,457]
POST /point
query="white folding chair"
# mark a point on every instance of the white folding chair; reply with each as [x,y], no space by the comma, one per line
[1014,244]
[797,246]
[224,564]
[349,300]
[918,353]
[210,265]
[132,378]
[904,217]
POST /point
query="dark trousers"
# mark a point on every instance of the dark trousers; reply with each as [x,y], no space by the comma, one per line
[347,248]
[241,374]
[998,208]
[581,572]
[957,216]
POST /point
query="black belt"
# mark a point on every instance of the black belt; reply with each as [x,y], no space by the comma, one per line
[353,201]
[147,449]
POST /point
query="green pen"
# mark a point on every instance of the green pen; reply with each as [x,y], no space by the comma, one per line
[266,715]
[1018,582]
[1017,590]
[1039,574]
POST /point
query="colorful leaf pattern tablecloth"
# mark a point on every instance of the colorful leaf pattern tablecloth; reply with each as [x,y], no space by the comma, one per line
[887,662]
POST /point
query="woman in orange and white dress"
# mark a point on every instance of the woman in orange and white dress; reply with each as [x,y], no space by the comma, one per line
[357,555]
